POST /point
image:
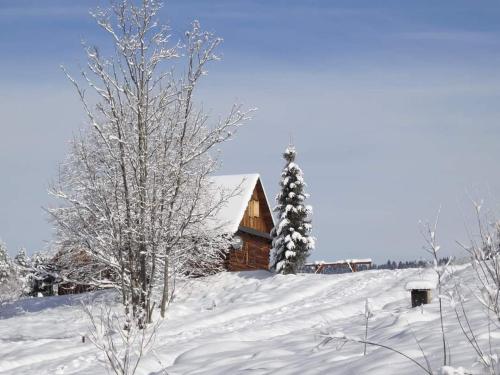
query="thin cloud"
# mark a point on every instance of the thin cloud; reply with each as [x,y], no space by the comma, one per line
[452,36]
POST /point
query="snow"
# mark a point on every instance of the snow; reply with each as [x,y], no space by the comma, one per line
[448,370]
[421,284]
[283,223]
[228,218]
[256,323]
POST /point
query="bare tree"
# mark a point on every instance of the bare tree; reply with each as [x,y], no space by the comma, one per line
[135,184]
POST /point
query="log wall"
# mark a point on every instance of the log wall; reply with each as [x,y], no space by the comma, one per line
[254,253]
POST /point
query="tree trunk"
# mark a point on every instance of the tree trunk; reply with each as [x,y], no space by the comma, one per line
[164,297]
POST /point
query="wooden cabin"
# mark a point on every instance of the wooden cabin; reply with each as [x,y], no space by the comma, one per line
[247,217]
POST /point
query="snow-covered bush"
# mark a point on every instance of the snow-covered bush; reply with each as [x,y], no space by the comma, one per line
[118,337]
[292,240]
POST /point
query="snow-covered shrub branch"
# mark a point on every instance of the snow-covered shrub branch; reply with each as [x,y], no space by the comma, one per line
[484,250]
[118,336]
[340,339]
[429,233]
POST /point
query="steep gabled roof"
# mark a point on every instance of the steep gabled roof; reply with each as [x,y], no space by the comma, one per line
[231,213]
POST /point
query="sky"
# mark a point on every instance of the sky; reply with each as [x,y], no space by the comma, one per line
[392,106]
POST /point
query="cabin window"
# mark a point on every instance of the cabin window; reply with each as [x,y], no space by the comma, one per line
[237,243]
[253,208]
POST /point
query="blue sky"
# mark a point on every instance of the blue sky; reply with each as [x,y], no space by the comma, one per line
[393,107]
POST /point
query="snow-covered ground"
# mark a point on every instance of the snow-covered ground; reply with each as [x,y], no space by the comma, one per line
[253,323]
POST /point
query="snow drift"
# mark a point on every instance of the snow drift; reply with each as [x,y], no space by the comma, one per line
[253,323]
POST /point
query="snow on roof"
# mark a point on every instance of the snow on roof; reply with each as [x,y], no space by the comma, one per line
[241,187]
[421,284]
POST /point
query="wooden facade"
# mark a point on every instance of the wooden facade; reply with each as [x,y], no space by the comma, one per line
[254,230]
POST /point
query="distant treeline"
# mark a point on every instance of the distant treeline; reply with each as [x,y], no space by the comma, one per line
[393,265]
[389,265]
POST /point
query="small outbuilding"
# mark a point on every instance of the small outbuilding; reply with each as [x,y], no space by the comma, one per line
[421,291]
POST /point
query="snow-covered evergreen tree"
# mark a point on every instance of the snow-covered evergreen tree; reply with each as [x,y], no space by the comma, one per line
[292,241]
[21,259]
[5,264]
[9,285]
[24,272]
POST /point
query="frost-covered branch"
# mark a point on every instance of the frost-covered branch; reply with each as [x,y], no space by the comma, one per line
[429,233]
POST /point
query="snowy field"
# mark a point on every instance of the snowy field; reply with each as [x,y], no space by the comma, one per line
[254,323]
